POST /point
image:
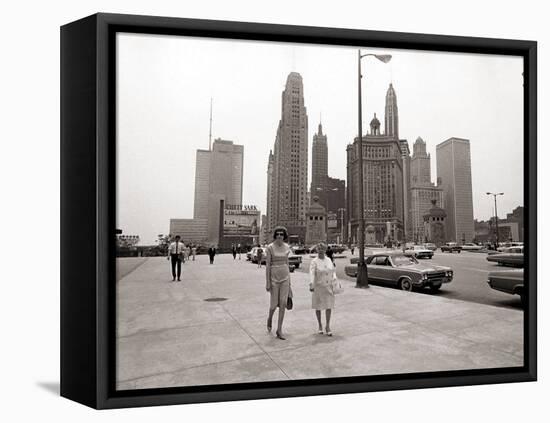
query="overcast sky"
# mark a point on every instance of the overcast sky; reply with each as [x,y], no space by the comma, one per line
[164,86]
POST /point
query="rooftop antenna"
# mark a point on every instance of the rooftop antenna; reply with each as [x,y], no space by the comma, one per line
[210,134]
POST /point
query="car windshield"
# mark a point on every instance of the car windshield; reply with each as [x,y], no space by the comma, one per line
[403,260]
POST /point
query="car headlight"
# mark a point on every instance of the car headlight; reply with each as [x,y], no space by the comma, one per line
[449,273]
[424,276]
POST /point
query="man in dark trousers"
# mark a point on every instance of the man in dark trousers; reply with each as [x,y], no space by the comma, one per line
[175,253]
[211,253]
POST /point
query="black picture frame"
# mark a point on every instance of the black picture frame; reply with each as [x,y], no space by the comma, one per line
[88,208]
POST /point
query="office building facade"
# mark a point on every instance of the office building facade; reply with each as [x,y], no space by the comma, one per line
[454,172]
[384,179]
[218,176]
[424,194]
[288,177]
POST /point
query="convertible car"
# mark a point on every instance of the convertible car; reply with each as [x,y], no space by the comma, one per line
[404,271]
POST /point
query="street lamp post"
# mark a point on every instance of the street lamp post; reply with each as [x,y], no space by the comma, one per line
[496,212]
[362,278]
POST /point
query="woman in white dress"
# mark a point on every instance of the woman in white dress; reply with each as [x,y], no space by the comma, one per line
[322,273]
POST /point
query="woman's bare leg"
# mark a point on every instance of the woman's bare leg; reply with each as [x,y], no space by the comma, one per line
[270,320]
[328,313]
[280,321]
[318,314]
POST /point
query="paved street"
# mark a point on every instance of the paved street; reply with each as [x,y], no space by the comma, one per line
[210,329]
[469,282]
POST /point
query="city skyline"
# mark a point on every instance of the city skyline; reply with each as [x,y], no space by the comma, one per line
[161,125]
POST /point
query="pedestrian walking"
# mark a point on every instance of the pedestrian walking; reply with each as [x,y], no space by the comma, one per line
[234,251]
[239,248]
[175,254]
[278,278]
[212,253]
[187,252]
[259,255]
[330,254]
[322,275]
[352,249]
[194,251]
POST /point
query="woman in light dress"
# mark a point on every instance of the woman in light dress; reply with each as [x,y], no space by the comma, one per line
[277,277]
[322,274]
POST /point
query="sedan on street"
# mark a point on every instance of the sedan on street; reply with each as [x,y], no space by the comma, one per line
[511,256]
[419,251]
[470,246]
[404,271]
[508,281]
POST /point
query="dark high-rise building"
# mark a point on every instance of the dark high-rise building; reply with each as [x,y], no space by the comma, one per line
[385,170]
[288,179]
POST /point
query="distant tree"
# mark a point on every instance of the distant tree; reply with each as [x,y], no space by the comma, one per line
[163,242]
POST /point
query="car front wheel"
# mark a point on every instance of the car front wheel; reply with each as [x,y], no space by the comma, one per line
[405,284]
[435,288]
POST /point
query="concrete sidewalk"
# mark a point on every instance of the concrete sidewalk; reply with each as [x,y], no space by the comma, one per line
[177,334]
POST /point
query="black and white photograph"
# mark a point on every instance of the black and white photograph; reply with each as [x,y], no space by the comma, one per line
[275,211]
[290,211]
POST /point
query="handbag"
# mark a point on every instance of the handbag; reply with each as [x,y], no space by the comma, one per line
[337,287]
[289,303]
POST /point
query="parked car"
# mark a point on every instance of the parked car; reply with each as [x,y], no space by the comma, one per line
[430,246]
[403,271]
[504,245]
[451,247]
[511,256]
[299,249]
[294,260]
[508,281]
[254,255]
[337,248]
[419,251]
[470,246]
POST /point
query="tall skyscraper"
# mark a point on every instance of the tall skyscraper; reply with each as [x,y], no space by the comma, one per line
[391,119]
[319,165]
[226,171]
[422,190]
[384,183]
[420,164]
[202,184]
[455,173]
[290,158]
[407,211]
[270,209]
[331,191]
[218,176]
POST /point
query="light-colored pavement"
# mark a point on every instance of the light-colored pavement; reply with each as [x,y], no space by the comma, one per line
[178,334]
